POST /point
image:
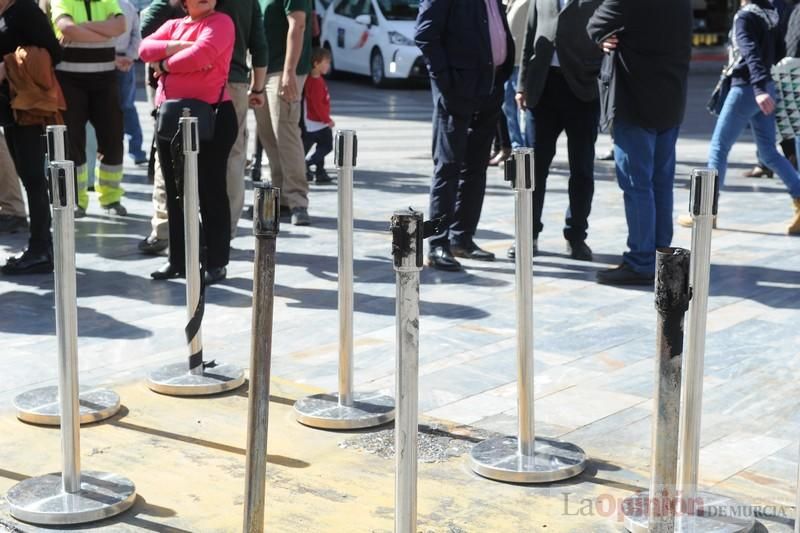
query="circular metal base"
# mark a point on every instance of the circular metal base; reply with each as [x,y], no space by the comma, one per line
[713,514]
[42,500]
[41,406]
[175,380]
[323,411]
[553,460]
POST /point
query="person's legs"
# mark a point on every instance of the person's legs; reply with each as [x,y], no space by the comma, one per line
[290,152]
[106,117]
[75,117]
[580,124]
[160,222]
[511,111]
[322,141]
[26,148]
[634,150]
[663,182]
[549,125]
[738,109]
[174,209]
[130,117]
[12,206]
[267,121]
[238,154]
[214,205]
[764,133]
[449,151]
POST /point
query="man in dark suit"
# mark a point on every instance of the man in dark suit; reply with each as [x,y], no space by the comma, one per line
[469,52]
[558,81]
[652,40]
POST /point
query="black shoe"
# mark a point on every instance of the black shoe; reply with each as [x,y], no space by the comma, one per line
[579,250]
[215,275]
[608,156]
[624,275]
[471,251]
[512,250]
[309,175]
[29,263]
[300,216]
[12,224]
[153,246]
[440,258]
[167,271]
[247,214]
[321,176]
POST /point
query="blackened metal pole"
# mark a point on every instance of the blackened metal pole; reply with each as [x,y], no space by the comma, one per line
[42,405]
[266,225]
[69,497]
[407,239]
[654,510]
[345,409]
[525,458]
[177,379]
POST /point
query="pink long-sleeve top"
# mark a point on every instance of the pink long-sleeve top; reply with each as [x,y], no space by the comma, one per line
[200,71]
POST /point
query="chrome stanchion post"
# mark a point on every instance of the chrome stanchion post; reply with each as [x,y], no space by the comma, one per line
[525,458]
[654,511]
[69,497]
[407,239]
[42,406]
[266,225]
[176,379]
[345,409]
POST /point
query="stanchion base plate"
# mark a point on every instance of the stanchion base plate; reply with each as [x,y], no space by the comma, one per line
[323,411]
[42,500]
[41,406]
[714,514]
[553,460]
[175,380]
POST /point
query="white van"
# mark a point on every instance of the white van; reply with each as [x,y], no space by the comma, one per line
[373,37]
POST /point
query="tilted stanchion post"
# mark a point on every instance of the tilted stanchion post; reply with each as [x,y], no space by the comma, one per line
[345,409]
[266,225]
[41,406]
[653,511]
[525,458]
[200,377]
[71,496]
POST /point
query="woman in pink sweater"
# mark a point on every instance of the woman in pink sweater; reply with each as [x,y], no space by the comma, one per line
[191,57]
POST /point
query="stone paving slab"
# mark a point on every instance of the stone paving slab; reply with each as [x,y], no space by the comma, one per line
[594,345]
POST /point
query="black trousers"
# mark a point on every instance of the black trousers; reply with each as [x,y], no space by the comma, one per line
[212,162]
[25,146]
[462,139]
[324,140]
[559,110]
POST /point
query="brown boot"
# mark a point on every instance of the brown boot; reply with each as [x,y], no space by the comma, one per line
[794,227]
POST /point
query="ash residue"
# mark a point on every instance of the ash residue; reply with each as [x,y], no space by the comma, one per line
[435,444]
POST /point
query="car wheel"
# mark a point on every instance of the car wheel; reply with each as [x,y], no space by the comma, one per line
[376,70]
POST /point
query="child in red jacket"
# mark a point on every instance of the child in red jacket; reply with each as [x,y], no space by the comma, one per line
[318,122]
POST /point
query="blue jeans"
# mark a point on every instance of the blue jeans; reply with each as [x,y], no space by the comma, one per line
[645,161]
[740,108]
[530,129]
[511,111]
[131,125]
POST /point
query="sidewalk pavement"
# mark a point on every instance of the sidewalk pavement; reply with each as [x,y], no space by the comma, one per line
[594,349]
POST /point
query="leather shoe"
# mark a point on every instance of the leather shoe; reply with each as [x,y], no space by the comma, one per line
[29,263]
[579,250]
[512,250]
[153,246]
[215,275]
[624,275]
[440,258]
[167,271]
[471,251]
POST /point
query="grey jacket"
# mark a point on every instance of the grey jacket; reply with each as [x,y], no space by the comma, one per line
[563,32]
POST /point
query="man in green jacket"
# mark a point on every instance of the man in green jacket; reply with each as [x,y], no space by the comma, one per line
[246,87]
[287,24]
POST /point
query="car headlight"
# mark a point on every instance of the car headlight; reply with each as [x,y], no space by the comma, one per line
[400,39]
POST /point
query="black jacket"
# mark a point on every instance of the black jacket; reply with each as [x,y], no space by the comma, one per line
[756,40]
[655,46]
[562,32]
[454,38]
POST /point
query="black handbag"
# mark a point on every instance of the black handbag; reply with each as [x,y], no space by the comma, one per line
[171,111]
[606,84]
[719,94]
[6,113]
